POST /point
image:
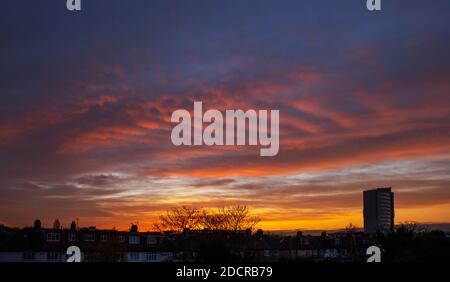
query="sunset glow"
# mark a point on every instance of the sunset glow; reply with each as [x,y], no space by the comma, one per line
[85,129]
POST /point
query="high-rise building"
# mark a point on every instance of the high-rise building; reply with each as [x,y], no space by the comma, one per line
[379,210]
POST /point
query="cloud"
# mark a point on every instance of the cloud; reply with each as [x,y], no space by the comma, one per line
[85,117]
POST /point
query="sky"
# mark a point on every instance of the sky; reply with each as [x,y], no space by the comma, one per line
[86,100]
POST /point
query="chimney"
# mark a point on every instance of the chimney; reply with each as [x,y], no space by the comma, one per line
[37,224]
[134,228]
[73,226]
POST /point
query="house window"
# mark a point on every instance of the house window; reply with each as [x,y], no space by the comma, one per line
[150,257]
[121,238]
[134,240]
[87,257]
[104,237]
[28,256]
[89,237]
[134,256]
[53,237]
[151,240]
[72,237]
[52,256]
[337,242]
[122,257]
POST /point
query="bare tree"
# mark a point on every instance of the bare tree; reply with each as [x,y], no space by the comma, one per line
[234,218]
[179,219]
[239,218]
[350,228]
[410,227]
[56,224]
[213,221]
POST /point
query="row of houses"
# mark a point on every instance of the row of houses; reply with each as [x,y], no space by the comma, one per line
[37,244]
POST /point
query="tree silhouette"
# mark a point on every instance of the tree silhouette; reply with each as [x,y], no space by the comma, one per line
[233,218]
[179,219]
[56,224]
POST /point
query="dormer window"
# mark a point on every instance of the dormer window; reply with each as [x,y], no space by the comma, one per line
[134,240]
[89,237]
[151,240]
[53,237]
